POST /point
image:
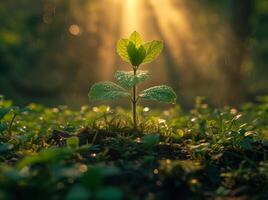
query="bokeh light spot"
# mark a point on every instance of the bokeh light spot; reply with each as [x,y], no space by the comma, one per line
[75,30]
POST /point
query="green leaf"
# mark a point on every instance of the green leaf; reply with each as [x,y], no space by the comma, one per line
[133,50]
[150,141]
[128,79]
[4,147]
[136,55]
[3,112]
[121,49]
[246,144]
[161,93]
[78,192]
[73,142]
[136,38]
[110,193]
[92,179]
[153,49]
[107,91]
[50,155]
[3,127]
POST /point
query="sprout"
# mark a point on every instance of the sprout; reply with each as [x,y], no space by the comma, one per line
[136,52]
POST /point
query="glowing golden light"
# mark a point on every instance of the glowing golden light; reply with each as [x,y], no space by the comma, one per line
[168,161]
[173,25]
[189,50]
[146,109]
[194,181]
[95,109]
[130,19]
[75,30]
[93,155]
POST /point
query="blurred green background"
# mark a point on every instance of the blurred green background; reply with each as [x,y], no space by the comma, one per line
[52,51]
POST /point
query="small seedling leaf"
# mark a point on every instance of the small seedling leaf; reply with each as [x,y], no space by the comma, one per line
[161,93]
[136,38]
[128,79]
[121,49]
[136,54]
[107,91]
[153,49]
[133,51]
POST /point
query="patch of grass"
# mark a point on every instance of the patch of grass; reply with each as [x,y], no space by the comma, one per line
[206,153]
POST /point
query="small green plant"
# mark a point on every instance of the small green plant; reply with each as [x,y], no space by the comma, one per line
[3,113]
[134,51]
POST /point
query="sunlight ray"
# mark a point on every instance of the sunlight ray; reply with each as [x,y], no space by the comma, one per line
[173,24]
[130,21]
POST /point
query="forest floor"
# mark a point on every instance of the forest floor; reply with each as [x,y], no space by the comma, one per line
[93,153]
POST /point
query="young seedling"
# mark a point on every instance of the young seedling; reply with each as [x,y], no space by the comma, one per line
[134,51]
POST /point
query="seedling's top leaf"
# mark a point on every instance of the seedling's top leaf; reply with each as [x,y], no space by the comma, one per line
[121,49]
[133,51]
[107,91]
[161,93]
[128,79]
[153,49]
[136,55]
[136,39]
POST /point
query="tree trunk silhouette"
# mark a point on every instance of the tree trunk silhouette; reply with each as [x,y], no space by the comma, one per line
[236,49]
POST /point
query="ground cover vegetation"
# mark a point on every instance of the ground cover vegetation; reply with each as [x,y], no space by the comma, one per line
[92,153]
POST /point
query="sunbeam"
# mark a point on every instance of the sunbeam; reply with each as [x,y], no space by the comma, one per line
[191,54]
[130,16]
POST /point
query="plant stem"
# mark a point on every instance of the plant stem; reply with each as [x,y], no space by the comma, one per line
[134,102]
[10,125]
